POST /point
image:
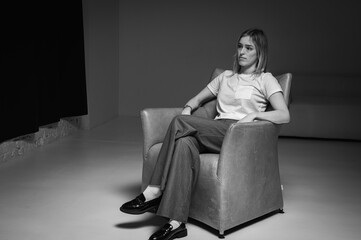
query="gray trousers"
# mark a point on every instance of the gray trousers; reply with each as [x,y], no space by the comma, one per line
[177,167]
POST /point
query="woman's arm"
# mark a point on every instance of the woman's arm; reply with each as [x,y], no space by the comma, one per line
[194,103]
[279,115]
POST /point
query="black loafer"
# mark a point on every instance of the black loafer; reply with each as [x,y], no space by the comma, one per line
[168,233]
[138,205]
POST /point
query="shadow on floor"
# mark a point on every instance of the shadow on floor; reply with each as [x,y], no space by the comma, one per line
[152,220]
[133,190]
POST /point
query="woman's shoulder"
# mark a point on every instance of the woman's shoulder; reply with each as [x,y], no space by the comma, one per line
[266,76]
[226,74]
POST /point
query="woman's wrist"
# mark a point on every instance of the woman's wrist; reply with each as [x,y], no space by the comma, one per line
[254,115]
[187,106]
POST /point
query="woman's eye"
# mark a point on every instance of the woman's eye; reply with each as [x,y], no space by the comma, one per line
[247,48]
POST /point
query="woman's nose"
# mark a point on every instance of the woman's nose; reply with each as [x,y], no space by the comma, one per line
[241,51]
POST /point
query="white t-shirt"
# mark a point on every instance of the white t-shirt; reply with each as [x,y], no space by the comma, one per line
[241,94]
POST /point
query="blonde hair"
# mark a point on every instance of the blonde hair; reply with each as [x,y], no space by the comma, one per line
[259,39]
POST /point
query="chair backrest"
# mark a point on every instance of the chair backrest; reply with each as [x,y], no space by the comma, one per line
[208,109]
[285,81]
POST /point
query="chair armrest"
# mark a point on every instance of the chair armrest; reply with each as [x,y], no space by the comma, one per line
[155,122]
[248,171]
[245,148]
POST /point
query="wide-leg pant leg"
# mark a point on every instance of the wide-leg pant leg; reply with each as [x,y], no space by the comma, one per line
[181,179]
[177,168]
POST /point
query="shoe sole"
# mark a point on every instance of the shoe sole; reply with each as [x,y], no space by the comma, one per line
[180,234]
[138,212]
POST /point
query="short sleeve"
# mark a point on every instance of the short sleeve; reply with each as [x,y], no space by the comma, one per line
[215,84]
[270,85]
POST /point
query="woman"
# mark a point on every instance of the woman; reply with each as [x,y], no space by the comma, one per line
[242,96]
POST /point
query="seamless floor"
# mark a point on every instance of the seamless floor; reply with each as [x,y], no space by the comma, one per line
[72,189]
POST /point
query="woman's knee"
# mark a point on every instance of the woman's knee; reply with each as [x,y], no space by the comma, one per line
[179,122]
[187,141]
[180,118]
[184,140]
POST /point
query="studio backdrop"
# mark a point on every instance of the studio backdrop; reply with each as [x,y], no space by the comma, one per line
[43,77]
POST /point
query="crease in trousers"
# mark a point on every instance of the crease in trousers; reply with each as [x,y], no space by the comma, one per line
[178,163]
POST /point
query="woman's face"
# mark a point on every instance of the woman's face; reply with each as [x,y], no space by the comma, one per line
[247,55]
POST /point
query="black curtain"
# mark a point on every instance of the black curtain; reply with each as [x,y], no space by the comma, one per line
[43,77]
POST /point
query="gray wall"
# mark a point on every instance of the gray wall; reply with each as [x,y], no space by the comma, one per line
[160,53]
[101,28]
[167,49]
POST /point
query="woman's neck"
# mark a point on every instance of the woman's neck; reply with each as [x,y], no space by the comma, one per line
[248,70]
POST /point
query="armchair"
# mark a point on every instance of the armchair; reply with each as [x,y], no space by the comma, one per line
[239,184]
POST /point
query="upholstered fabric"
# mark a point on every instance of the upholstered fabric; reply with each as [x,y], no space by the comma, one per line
[237,185]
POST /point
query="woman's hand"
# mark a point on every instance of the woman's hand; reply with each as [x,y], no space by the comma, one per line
[249,118]
[279,115]
[193,104]
[187,111]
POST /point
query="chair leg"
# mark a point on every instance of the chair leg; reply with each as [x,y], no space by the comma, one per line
[221,233]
